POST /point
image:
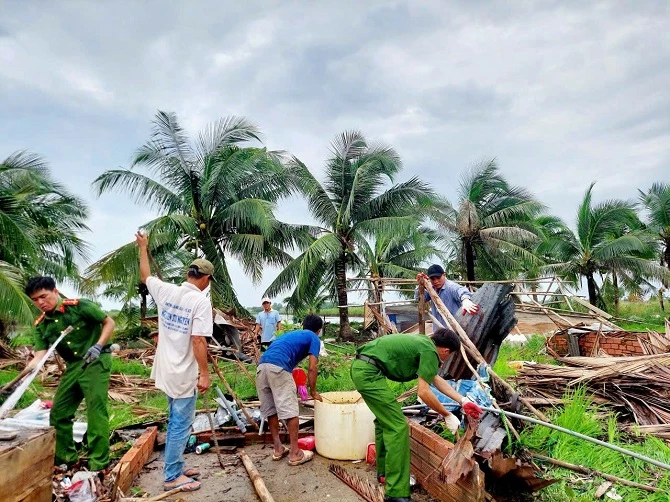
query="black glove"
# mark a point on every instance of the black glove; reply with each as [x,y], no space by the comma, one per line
[93,353]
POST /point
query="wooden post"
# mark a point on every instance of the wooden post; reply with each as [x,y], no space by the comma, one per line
[422,309]
[244,370]
[256,478]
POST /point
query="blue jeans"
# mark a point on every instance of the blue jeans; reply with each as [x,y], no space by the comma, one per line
[181,417]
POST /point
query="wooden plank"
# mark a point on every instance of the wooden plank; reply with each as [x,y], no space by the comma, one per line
[38,490]
[422,310]
[427,453]
[133,461]
[573,345]
[592,308]
[25,464]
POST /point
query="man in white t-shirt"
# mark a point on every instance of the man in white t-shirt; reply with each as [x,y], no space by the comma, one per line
[180,366]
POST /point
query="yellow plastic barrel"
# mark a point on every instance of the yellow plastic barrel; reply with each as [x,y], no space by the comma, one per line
[343,426]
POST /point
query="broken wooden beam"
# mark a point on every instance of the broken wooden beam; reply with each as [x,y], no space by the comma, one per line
[256,478]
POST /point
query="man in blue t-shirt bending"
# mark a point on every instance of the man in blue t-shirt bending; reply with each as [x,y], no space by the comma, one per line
[276,388]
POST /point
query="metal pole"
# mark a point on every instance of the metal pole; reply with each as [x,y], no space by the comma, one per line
[580,436]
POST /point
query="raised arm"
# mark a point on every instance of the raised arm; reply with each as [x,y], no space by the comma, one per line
[143,244]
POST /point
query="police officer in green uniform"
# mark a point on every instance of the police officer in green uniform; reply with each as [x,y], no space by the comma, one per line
[89,364]
[401,358]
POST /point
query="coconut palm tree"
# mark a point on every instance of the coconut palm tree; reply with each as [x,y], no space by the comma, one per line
[40,227]
[215,197]
[492,228]
[608,239]
[353,202]
[549,230]
[656,201]
[397,256]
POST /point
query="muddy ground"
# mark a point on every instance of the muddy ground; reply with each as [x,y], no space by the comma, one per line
[309,482]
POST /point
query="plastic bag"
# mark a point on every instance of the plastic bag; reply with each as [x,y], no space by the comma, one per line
[83,487]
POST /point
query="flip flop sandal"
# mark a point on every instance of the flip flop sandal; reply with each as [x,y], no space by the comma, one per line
[187,486]
[191,473]
[283,454]
[306,457]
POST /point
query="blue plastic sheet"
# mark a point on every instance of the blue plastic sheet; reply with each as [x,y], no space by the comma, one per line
[469,388]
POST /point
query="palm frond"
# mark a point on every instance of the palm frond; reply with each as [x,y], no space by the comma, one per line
[141,189]
[14,304]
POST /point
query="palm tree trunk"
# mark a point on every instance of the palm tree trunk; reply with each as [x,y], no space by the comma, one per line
[143,305]
[341,286]
[666,254]
[469,260]
[615,283]
[593,293]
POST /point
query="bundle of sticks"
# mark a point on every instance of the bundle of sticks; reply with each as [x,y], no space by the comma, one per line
[637,386]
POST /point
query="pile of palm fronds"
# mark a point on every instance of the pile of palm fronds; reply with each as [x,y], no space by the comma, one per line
[122,388]
[637,387]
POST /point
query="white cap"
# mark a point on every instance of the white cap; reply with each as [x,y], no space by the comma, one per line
[266,299]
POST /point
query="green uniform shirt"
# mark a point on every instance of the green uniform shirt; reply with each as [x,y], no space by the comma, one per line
[86,319]
[403,357]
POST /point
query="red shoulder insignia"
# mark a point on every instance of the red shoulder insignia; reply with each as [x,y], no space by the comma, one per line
[39,319]
[67,303]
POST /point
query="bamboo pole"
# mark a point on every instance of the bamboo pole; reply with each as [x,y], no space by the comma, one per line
[230,391]
[422,310]
[255,477]
[412,281]
[592,472]
[244,370]
[472,349]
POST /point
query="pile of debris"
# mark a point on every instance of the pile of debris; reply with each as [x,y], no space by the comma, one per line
[637,387]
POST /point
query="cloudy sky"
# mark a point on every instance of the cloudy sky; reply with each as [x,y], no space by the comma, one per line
[561,93]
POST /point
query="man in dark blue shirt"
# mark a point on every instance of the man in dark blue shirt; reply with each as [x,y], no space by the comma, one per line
[453,295]
[276,388]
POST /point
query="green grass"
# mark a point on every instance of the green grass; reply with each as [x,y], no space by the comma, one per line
[334,311]
[582,416]
[122,414]
[640,316]
[130,367]
[533,350]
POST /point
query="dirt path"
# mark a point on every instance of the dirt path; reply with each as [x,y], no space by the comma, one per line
[310,482]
